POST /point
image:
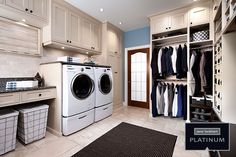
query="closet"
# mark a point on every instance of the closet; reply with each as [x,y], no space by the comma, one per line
[178,41]
[224,59]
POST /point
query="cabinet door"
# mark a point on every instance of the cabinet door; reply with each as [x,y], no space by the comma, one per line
[38,8]
[178,21]
[160,24]
[1,1]
[96,37]
[18,4]
[113,42]
[200,15]
[74,29]
[86,34]
[59,23]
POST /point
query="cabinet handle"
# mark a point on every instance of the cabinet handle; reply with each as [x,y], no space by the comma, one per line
[67,40]
[169,27]
[31,11]
[191,23]
[166,28]
[26,9]
[82,117]
[116,72]
[70,41]
[40,94]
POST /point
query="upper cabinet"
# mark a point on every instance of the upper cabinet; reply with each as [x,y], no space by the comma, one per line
[178,19]
[170,22]
[1,1]
[33,7]
[200,15]
[114,41]
[33,11]
[16,38]
[90,34]
[71,29]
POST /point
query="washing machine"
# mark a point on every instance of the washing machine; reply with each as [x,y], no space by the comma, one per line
[103,92]
[78,98]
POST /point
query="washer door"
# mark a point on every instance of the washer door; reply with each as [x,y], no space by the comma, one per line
[82,86]
[105,84]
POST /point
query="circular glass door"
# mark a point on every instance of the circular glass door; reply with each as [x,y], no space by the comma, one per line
[105,84]
[82,86]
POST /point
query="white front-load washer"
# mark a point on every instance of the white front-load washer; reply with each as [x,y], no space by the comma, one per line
[78,98]
[104,92]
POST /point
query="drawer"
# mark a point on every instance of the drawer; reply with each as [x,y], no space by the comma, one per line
[38,95]
[9,99]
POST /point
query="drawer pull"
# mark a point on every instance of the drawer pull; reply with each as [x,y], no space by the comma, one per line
[82,117]
[105,108]
[40,94]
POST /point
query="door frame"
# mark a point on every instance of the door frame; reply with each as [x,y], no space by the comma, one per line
[125,103]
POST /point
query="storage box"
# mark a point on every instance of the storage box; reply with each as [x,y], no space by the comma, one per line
[32,123]
[201,35]
[21,84]
[8,126]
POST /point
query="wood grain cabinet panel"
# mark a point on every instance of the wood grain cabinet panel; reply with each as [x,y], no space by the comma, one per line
[9,99]
[38,95]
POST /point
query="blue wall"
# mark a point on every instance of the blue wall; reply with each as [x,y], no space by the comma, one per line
[137,37]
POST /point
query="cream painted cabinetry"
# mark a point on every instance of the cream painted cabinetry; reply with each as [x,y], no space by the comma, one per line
[114,42]
[1,1]
[72,29]
[174,21]
[90,35]
[9,99]
[200,15]
[16,38]
[33,7]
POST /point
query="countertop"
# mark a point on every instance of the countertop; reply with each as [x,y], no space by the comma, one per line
[3,90]
[81,64]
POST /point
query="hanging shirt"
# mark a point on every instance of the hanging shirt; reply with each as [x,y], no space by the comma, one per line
[166,100]
[154,65]
[158,98]
[179,70]
[175,103]
[202,71]
[180,102]
[159,61]
[191,77]
[174,58]
[163,62]
[171,92]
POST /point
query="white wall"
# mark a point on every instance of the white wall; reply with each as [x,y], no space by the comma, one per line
[14,65]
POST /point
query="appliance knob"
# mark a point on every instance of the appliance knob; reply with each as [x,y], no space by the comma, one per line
[82,69]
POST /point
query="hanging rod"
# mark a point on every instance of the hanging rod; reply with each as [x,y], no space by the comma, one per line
[170,43]
[202,47]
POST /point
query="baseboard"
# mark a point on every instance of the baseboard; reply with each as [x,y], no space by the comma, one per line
[54,132]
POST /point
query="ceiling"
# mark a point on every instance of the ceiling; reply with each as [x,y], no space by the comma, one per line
[131,13]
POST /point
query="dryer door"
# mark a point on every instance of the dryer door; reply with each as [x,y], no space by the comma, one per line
[82,86]
[105,84]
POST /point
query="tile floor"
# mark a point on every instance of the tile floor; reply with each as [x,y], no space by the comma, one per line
[54,146]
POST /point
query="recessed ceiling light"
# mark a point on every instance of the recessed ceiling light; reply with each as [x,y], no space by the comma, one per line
[87,53]
[23,20]
[101,9]
[120,23]
[195,0]
[62,47]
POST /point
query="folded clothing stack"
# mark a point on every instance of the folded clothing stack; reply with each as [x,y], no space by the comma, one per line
[21,84]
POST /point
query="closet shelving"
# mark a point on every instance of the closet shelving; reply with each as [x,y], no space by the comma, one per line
[229,16]
[181,37]
[217,10]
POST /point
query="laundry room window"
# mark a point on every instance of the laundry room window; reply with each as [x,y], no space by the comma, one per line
[139,77]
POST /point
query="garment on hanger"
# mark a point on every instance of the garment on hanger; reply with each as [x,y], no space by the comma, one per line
[166,100]
[191,77]
[154,65]
[184,62]
[169,65]
[179,70]
[174,58]
[159,61]
[202,71]
[154,101]
[180,101]
[209,72]
[197,78]
[175,103]
[185,103]
[171,92]
[163,62]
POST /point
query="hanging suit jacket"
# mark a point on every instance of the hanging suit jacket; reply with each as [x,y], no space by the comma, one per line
[154,101]
[154,65]
[179,70]
[184,62]
[169,66]
[163,62]
[209,72]
[171,92]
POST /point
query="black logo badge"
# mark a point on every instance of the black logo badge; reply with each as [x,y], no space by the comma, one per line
[200,136]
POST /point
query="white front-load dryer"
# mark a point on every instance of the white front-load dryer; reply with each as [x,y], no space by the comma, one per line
[103,91]
[78,98]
